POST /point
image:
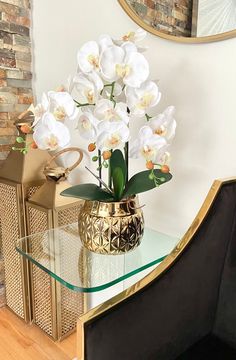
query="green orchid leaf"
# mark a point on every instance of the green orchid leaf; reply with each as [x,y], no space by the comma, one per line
[117,160]
[142,182]
[118,183]
[88,192]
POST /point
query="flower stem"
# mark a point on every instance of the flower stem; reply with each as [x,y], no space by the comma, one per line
[126,150]
[85,104]
[112,91]
[106,85]
[100,180]
[100,166]
[148,117]
[109,174]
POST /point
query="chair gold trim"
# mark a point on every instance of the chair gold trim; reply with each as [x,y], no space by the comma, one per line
[156,273]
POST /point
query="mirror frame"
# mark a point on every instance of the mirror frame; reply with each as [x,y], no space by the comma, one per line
[206,39]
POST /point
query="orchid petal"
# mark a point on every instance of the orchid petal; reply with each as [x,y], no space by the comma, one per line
[88,87]
[164,124]
[88,57]
[129,47]
[139,69]
[109,59]
[51,134]
[150,146]
[112,135]
[141,99]
[105,110]
[62,105]
[104,42]
[87,126]
[140,34]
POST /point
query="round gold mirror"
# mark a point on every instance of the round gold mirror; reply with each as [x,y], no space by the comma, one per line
[188,21]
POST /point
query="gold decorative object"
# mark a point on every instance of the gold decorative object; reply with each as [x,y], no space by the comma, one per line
[111,227]
[20,176]
[55,309]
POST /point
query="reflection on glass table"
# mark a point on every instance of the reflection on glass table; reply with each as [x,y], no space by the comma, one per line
[60,253]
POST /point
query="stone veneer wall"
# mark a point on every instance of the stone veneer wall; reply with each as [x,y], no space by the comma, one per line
[2,288]
[15,78]
[169,16]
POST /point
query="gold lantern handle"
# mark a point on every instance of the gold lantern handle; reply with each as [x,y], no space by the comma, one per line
[70,149]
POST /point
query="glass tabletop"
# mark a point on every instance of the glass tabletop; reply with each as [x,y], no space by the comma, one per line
[60,253]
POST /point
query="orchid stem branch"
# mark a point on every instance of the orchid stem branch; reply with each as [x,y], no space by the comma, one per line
[127,160]
[109,174]
[148,117]
[100,166]
[100,180]
[112,91]
[85,104]
[106,85]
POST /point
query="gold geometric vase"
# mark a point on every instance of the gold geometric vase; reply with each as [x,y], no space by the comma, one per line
[55,308]
[20,176]
[111,228]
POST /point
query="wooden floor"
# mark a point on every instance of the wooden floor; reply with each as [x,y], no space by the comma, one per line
[20,341]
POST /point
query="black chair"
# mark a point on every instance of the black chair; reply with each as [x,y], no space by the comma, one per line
[186,308]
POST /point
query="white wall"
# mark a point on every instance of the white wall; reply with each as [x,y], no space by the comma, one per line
[200,80]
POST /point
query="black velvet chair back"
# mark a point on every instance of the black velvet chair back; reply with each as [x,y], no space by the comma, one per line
[195,297]
[225,321]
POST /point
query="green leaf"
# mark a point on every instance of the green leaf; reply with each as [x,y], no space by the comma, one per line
[20,140]
[117,160]
[141,182]
[118,183]
[88,192]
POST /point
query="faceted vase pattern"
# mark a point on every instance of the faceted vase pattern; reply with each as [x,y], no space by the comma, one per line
[111,228]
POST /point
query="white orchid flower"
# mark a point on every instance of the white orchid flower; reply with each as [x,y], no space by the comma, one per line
[104,42]
[89,54]
[105,110]
[148,145]
[67,87]
[50,134]
[40,109]
[129,47]
[112,135]
[164,124]
[88,87]
[62,105]
[87,126]
[124,63]
[140,100]
[133,36]
[164,157]
[88,57]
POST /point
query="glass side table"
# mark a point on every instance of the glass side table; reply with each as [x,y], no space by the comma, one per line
[59,256]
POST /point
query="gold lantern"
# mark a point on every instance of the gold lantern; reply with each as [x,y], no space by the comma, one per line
[55,308]
[20,176]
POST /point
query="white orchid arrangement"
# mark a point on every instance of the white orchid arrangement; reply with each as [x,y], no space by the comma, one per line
[109,90]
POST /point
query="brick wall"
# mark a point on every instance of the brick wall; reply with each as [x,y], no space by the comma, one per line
[15,67]
[169,16]
[15,77]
